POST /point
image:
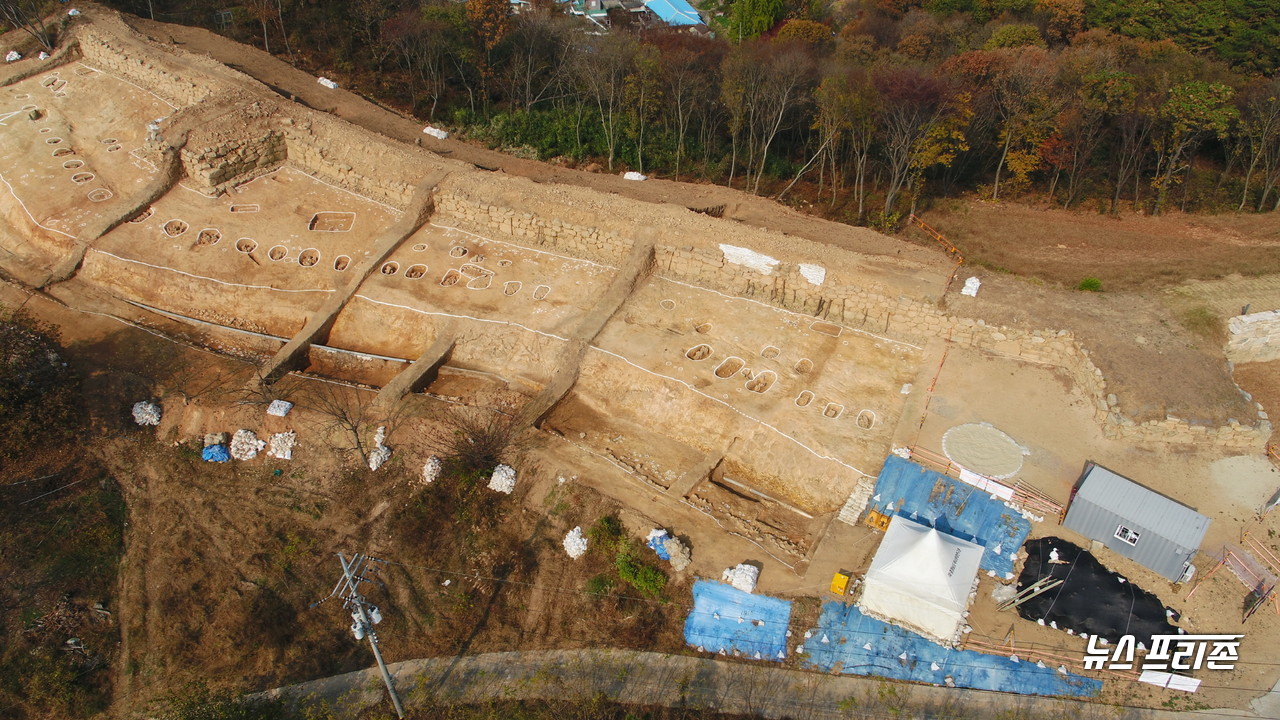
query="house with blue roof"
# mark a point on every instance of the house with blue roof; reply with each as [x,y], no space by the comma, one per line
[675,13]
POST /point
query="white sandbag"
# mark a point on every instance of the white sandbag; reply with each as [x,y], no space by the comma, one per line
[436,132]
[281,445]
[575,543]
[815,274]
[378,456]
[43,55]
[503,479]
[971,287]
[431,470]
[380,453]
[632,175]
[245,445]
[327,83]
[146,413]
[279,408]
[13,56]
[742,577]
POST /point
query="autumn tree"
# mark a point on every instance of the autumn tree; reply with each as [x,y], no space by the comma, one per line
[1259,134]
[1062,19]
[1193,111]
[914,105]
[368,17]
[764,85]
[424,41]
[814,34]
[1014,36]
[1081,125]
[489,21]
[847,118]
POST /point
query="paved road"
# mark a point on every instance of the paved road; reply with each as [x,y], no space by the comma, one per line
[653,678]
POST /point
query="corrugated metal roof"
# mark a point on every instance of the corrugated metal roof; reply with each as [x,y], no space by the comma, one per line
[1169,532]
[674,12]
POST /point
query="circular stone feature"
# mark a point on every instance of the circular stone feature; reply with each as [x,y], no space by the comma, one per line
[984,449]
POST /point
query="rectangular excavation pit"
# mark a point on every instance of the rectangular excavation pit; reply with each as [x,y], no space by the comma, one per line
[826,328]
[331,221]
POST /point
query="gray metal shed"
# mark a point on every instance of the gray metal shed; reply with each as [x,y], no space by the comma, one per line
[1136,522]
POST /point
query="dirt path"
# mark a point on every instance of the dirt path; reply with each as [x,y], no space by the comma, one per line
[678,681]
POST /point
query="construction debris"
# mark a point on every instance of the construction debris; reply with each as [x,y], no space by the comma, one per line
[281,445]
[146,413]
[245,445]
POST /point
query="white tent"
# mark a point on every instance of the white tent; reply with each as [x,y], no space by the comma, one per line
[921,579]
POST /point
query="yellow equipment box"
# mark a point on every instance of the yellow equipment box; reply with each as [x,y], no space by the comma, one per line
[840,582]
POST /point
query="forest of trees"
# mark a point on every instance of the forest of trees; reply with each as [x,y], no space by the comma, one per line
[864,109]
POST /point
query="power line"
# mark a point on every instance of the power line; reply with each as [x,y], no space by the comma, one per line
[363,615]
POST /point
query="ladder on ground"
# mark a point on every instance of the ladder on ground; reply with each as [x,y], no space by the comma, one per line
[931,232]
[1039,587]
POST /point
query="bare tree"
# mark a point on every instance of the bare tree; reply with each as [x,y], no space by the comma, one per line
[342,411]
[470,441]
[602,73]
[29,16]
[539,44]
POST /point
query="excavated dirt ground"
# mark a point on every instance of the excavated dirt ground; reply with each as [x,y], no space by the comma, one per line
[740,426]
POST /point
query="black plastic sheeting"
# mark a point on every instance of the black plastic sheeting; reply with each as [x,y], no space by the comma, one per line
[1091,599]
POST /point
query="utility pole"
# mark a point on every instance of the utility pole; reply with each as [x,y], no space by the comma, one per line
[363,615]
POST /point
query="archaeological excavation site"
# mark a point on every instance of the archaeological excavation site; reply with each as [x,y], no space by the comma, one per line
[817,412]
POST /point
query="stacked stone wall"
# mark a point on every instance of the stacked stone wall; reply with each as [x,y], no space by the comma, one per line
[354,159]
[1254,338]
[217,166]
[108,44]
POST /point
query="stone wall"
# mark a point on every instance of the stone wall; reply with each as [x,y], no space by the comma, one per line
[232,148]
[1254,338]
[524,228]
[353,158]
[110,45]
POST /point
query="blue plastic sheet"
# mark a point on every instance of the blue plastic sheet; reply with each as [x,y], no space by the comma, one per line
[727,620]
[956,508]
[215,453]
[861,645]
[659,546]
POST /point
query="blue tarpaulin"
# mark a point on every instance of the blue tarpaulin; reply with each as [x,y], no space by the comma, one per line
[729,621]
[659,545]
[215,453]
[956,508]
[674,12]
[862,645]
